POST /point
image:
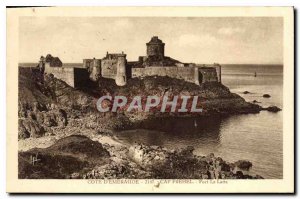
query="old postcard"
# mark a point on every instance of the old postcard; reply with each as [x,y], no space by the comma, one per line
[150,100]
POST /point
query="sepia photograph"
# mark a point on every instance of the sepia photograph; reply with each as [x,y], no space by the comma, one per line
[153,99]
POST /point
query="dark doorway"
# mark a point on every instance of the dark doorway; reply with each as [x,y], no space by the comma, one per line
[200,77]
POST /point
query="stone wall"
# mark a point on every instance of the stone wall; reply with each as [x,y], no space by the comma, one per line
[155,50]
[109,68]
[155,47]
[65,74]
[190,74]
[208,75]
[90,63]
[219,72]
[93,67]
[75,77]
[121,78]
[186,74]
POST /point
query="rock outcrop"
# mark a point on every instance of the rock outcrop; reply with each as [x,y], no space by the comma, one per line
[273,109]
[30,128]
[47,103]
[183,164]
[67,156]
[214,97]
[53,61]
[266,96]
[78,157]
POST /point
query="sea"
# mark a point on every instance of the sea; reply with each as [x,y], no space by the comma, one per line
[254,137]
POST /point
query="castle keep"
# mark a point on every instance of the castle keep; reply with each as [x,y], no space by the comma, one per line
[115,66]
[155,48]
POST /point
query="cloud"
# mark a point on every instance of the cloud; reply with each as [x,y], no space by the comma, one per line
[230,31]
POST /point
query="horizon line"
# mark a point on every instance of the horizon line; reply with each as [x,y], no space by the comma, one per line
[195,63]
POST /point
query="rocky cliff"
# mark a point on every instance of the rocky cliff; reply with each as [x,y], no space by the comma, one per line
[70,133]
[49,106]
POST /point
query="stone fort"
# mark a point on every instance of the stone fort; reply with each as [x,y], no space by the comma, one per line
[115,66]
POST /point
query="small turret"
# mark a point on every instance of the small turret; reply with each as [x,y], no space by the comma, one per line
[196,76]
[219,71]
[41,65]
[121,78]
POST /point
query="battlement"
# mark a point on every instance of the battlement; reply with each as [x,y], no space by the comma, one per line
[114,55]
[115,66]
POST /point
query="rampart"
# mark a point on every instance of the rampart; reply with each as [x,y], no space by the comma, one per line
[75,77]
[208,74]
[115,66]
[195,75]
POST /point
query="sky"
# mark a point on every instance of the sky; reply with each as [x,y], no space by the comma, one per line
[224,40]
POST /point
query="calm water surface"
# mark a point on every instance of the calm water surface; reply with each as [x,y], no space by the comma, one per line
[254,137]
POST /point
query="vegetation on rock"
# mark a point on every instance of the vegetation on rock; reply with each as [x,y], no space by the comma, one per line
[50,107]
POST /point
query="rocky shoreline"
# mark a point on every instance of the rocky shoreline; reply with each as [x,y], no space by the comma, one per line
[49,106]
[51,112]
[103,157]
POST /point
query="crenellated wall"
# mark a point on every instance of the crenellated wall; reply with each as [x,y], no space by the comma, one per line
[77,77]
[155,63]
[195,75]
[115,66]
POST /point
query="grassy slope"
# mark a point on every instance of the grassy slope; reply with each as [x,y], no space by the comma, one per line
[68,155]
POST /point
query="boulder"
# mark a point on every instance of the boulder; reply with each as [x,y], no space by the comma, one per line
[30,128]
[22,132]
[239,175]
[243,164]
[62,118]
[266,95]
[273,109]
[255,101]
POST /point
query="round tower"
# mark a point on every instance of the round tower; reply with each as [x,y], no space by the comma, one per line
[155,47]
[95,70]
[121,78]
[42,64]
